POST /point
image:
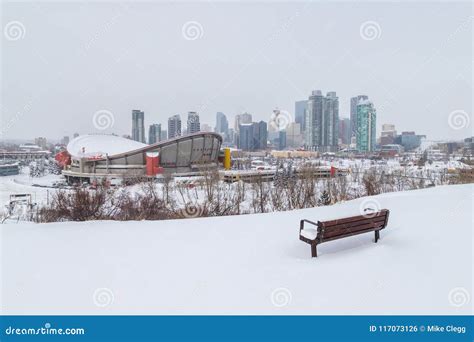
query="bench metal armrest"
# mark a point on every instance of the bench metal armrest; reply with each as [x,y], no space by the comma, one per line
[308,221]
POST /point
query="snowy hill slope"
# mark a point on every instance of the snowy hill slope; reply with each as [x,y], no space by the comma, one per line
[251,264]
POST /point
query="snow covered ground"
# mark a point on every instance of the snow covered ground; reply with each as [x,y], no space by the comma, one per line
[250,264]
[22,184]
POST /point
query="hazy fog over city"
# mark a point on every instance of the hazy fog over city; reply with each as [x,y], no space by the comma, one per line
[413,60]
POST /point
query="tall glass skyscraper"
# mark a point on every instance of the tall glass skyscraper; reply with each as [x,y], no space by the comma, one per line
[300,110]
[322,122]
[193,123]
[154,133]
[253,136]
[354,101]
[174,126]
[314,114]
[366,126]
[138,125]
[345,131]
[222,125]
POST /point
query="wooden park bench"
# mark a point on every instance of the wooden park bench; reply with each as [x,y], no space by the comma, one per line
[344,227]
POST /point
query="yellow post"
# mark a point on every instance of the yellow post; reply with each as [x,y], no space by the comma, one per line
[227,158]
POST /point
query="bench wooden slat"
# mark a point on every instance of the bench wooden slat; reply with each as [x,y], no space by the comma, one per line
[347,231]
[381,213]
[345,227]
[350,234]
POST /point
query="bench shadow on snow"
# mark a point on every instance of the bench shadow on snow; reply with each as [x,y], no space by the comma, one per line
[350,246]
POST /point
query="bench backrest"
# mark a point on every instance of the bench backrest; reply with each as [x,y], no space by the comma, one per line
[335,229]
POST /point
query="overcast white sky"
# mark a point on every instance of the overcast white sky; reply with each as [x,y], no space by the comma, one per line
[75,59]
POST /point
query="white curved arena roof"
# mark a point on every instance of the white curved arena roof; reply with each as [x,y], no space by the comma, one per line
[100,145]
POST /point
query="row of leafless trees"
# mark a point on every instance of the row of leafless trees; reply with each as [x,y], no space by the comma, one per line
[210,196]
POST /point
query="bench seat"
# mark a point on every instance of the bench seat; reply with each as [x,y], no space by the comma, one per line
[337,229]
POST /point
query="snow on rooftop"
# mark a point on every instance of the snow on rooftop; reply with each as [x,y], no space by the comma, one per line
[101,144]
[249,264]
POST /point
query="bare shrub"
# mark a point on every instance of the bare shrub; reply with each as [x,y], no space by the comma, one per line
[371,183]
[77,205]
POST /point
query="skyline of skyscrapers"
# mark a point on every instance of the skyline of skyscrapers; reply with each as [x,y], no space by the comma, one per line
[325,130]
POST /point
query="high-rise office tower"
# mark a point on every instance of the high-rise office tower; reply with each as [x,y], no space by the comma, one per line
[253,136]
[366,126]
[243,118]
[345,131]
[231,136]
[138,125]
[193,124]
[300,113]
[294,138]
[174,126]
[154,133]
[354,101]
[222,125]
[261,134]
[314,113]
[282,140]
[245,141]
[322,122]
[388,134]
[330,129]
[240,119]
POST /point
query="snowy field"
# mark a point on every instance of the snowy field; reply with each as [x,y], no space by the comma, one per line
[250,264]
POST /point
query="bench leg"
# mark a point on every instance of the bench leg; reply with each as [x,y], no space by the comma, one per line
[314,252]
[377,235]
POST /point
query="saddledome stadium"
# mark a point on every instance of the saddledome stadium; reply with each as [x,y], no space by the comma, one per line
[95,157]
